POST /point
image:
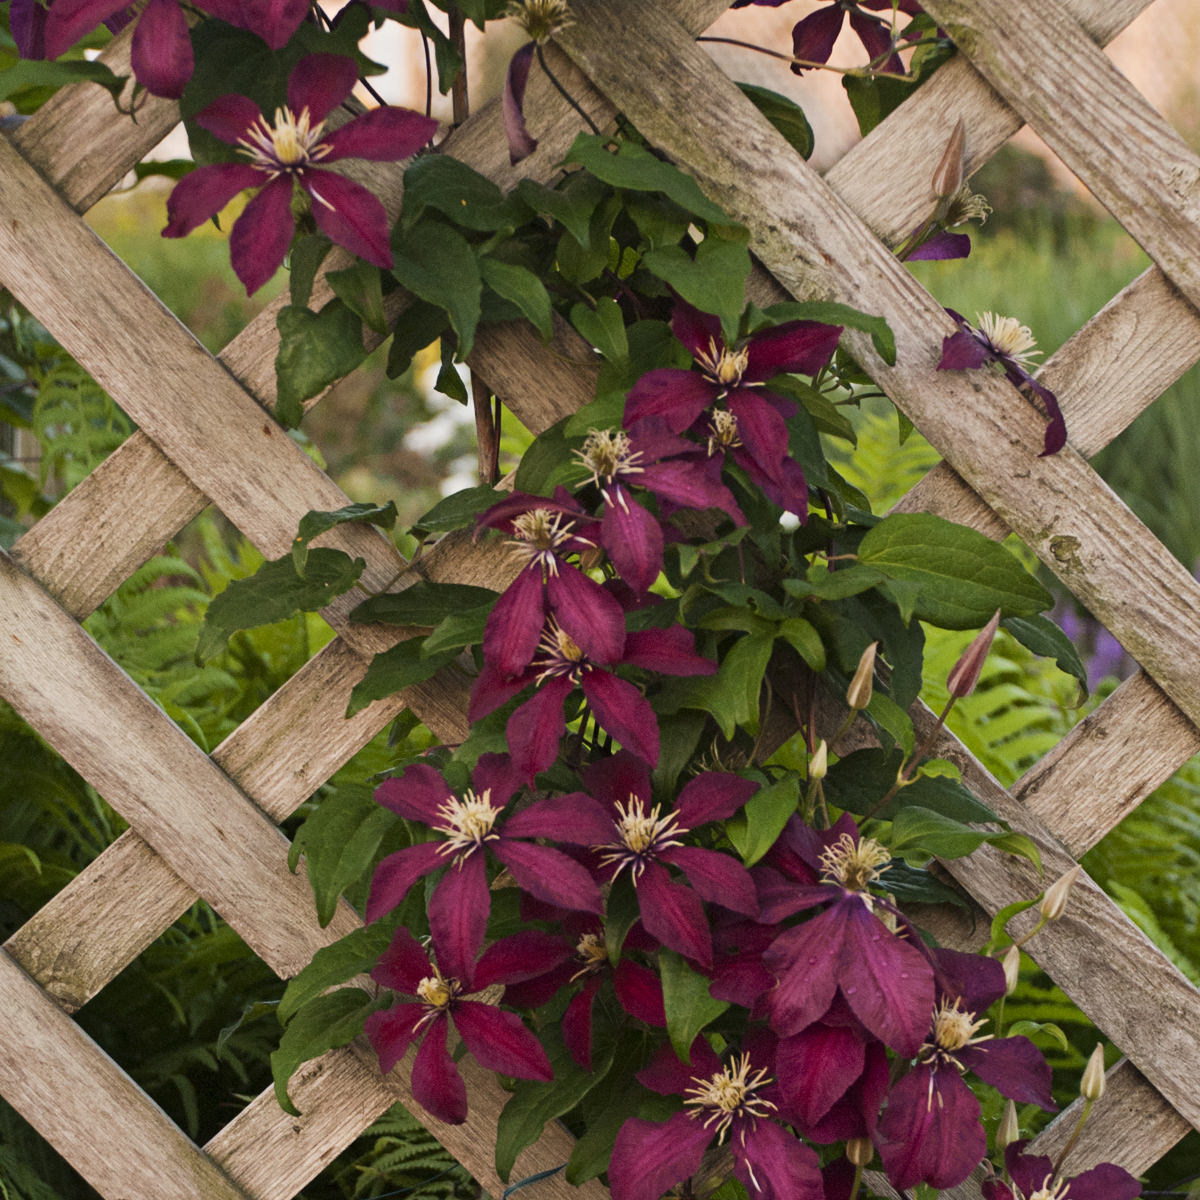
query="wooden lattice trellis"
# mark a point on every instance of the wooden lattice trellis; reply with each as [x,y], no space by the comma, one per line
[205,825]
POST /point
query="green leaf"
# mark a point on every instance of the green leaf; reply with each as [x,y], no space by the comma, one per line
[522,287]
[458,509]
[360,289]
[915,885]
[964,576]
[604,327]
[338,841]
[605,1110]
[805,640]
[635,168]
[313,524]
[920,832]
[307,254]
[892,720]
[714,281]
[315,350]
[621,913]
[1040,635]
[419,325]
[28,73]
[393,670]
[571,205]
[731,695]
[449,186]
[834,585]
[829,312]
[446,58]
[332,1020]
[1006,914]
[548,461]
[425,603]
[1032,1029]
[458,630]
[755,830]
[785,114]
[437,263]
[276,591]
[1019,845]
[352,955]
[687,1001]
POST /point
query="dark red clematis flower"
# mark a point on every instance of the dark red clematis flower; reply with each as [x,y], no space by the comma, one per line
[498,1040]
[284,156]
[752,422]
[161,52]
[814,36]
[734,1100]
[472,824]
[1032,1178]
[931,1130]
[849,947]
[1009,344]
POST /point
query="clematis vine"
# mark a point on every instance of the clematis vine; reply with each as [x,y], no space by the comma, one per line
[1033,1177]
[814,36]
[541,20]
[287,159]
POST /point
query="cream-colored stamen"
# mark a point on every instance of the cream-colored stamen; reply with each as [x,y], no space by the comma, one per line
[953,1029]
[592,950]
[729,1094]
[641,835]
[1008,336]
[467,822]
[722,431]
[854,865]
[291,142]
[606,455]
[437,993]
[541,19]
[724,366]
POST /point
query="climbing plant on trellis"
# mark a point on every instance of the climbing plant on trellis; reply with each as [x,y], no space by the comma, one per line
[205,825]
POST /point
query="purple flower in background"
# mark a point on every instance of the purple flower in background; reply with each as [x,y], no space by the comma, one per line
[471,824]
[498,1040]
[931,1130]
[1009,344]
[1032,1178]
[734,1100]
[27,24]
[161,52]
[814,36]
[283,157]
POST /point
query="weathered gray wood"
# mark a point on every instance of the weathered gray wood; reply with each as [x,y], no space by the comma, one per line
[83,1103]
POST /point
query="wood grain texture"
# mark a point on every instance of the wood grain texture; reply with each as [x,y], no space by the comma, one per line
[90,1100]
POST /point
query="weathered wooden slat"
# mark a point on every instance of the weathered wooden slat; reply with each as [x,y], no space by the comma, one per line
[81,1101]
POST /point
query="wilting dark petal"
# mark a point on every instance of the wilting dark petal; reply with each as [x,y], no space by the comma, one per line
[384,134]
[787,487]
[500,1042]
[350,215]
[699,331]
[436,1084]
[514,626]
[392,1031]
[521,144]
[202,194]
[1014,1066]
[161,51]
[519,958]
[876,36]
[458,915]
[963,351]
[576,1024]
[228,118]
[814,36]
[716,877]
[416,794]
[676,395]
[261,236]
[713,796]
[68,20]
[942,246]
[1105,1182]
[535,728]
[930,1131]
[774,1165]
[839,1178]
[397,873]
[639,991]
[592,618]
[576,819]
[623,712]
[670,651]
[632,538]
[649,1159]
[1056,430]
[320,82]
[796,347]
[549,875]
[815,1068]
[403,964]
[674,915]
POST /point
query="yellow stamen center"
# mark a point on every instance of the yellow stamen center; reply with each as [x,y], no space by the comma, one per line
[641,835]
[1008,336]
[722,431]
[606,454]
[467,822]
[437,993]
[729,1094]
[854,865]
[593,952]
[291,142]
[953,1029]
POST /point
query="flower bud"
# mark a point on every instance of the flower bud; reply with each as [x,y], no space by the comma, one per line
[1012,969]
[818,764]
[591,558]
[1091,1087]
[860,1151]
[1055,899]
[858,694]
[965,674]
[948,176]
[1009,1130]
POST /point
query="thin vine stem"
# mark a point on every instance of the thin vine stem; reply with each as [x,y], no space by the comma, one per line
[562,91]
[811,65]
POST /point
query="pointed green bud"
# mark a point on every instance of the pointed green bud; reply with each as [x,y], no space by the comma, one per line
[965,675]
[1012,969]
[818,764]
[858,694]
[1055,899]
[948,176]
[1091,1087]
[1009,1130]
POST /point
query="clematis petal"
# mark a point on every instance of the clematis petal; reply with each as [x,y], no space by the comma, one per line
[385,134]
[674,915]
[202,194]
[576,1024]
[161,51]
[261,236]
[716,877]
[974,978]
[458,915]
[632,538]
[416,794]
[496,774]
[575,818]
[699,331]
[397,873]
[403,964]
[648,1159]
[350,215]
[519,958]
[804,959]
[27,24]
[876,37]
[815,1068]
[1014,1066]
[623,711]
[667,1075]
[774,1165]
[814,36]
[521,143]
[500,1042]
[68,20]
[795,347]
[763,431]
[589,614]
[436,1084]
[534,729]
[941,247]
[320,82]
[713,796]
[1104,1182]
[692,483]
[392,1031]
[228,118]
[272,20]
[1056,429]
[639,992]
[618,778]
[963,351]
[492,689]
[676,395]
[670,651]
[514,626]
[549,875]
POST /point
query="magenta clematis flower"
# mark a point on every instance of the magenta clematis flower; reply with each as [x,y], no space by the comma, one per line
[283,159]
[27,24]
[734,1100]
[542,533]
[752,423]
[814,36]
[1032,1178]
[1010,345]
[931,1131]
[161,53]
[498,1040]
[461,902]
[618,822]
[854,946]
[618,706]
